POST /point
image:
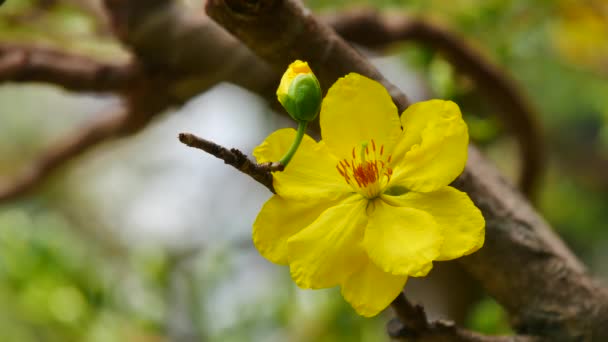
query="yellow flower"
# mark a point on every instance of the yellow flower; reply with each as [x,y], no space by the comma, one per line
[369,204]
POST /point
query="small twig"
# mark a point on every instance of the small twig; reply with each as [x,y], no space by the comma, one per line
[412,324]
[262,173]
[411,316]
[446,331]
[72,72]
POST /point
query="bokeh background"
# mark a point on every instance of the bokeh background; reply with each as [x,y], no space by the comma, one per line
[143,239]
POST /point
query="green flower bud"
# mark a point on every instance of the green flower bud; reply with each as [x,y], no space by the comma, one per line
[300,92]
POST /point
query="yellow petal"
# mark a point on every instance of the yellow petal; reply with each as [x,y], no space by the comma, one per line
[400,240]
[370,290]
[356,110]
[312,171]
[462,225]
[281,218]
[327,251]
[432,151]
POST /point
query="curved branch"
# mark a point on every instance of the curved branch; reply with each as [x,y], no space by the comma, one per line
[523,264]
[72,72]
[145,98]
[372,30]
[278,41]
[62,152]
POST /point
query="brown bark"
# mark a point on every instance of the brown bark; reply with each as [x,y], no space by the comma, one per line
[72,72]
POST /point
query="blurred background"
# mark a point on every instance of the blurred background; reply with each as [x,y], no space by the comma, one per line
[143,239]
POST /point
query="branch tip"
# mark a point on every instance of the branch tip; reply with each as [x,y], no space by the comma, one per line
[262,173]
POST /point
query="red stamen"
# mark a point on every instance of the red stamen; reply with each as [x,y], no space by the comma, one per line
[368,172]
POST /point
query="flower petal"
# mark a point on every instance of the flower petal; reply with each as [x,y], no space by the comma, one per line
[312,171]
[433,149]
[370,290]
[400,240]
[356,110]
[462,225]
[327,251]
[279,219]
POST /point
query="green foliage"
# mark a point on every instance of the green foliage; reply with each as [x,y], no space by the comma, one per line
[56,286]
[488,317]
[64,26]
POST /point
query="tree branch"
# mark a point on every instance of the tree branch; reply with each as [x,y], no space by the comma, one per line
[72,72]
[411,324]
[190,49]
[234,157]
[373,30]
[442,331]
[265,27]
[178,56]
[65,150]
[523,264]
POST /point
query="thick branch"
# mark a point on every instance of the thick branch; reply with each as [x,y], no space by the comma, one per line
[372,30]
[188,47]
[524,265]
[265,27]
[76,73]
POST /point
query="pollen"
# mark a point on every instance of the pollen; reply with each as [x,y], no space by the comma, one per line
[370,172]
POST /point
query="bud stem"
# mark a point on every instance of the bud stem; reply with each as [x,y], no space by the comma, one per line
[296,143]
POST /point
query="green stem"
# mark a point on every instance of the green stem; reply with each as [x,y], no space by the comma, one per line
[296,143]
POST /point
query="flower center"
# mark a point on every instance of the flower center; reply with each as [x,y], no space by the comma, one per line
[367,172]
